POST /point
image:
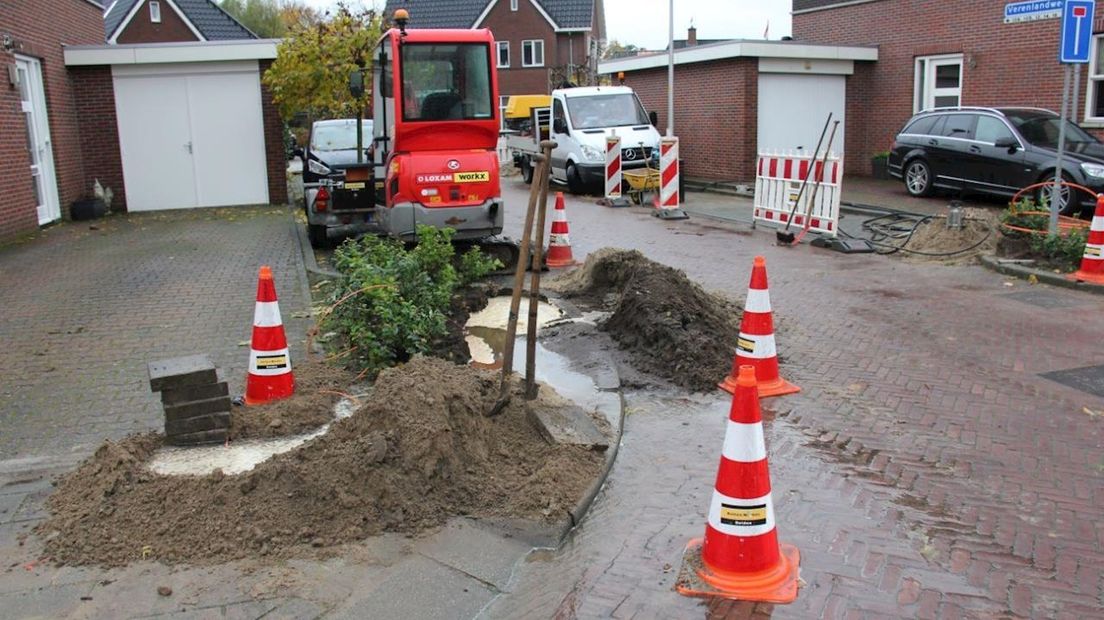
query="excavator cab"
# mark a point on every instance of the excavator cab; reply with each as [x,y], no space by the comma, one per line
[435,107]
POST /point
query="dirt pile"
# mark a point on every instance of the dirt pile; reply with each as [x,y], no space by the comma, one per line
[938,243]
[669,325]
[318,386]
[418,451]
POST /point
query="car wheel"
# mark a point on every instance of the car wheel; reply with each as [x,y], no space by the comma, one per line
[527,171]
[318,237]
[1066,206]
[918,178]
[574,182]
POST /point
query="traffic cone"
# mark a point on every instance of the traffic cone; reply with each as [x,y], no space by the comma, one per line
[559,245]
[1092,261]
[741,557]
[270,375]
[755,345]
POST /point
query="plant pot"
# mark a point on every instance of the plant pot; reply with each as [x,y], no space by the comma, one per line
[879,167]
[87,209]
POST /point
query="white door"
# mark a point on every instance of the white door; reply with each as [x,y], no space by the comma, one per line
[32,101]
[793,108]
[191,135]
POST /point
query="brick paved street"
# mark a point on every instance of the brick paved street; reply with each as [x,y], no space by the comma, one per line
[85,310]
[926,470]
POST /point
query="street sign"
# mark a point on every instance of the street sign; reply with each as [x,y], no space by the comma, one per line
[1032,10]
[1077,25]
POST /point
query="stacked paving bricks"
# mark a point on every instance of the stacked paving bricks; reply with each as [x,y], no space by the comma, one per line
[197,404]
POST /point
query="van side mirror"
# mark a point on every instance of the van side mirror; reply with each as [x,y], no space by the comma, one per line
[1008,142]
[653,118]
[559,125]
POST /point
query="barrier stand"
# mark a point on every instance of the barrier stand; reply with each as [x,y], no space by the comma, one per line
[668,206]
[778,181]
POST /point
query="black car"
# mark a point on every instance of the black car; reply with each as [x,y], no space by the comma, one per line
[996,151]
[339,191]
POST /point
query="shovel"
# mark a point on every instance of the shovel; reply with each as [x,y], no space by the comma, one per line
[540,181]
[816,185]
[784,236]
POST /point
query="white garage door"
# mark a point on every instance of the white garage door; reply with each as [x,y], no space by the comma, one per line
[792,110]
[191,135]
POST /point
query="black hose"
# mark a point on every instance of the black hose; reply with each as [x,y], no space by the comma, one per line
[879,232]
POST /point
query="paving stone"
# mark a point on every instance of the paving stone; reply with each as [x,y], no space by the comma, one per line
[177,396]
[199,408]
[570,426]
[214,421]
[476,549]
[181,372]
[418,588]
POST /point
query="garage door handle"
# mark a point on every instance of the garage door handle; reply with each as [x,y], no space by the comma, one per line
[188,145]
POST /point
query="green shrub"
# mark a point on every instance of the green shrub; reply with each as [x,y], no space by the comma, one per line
[392,302]
[1064,251]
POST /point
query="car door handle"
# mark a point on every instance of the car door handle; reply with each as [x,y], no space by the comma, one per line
[975,148]
[933,142]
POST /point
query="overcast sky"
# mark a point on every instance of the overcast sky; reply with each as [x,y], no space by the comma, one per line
[644,22]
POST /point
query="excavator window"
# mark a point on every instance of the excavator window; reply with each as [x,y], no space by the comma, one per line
[446,82]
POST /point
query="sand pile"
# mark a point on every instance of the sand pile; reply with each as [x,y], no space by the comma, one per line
[669,325]
[318,387]
[418,451]
[938,243]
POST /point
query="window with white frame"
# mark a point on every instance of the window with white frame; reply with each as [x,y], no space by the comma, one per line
[155,12]
[938,82]
[1094,99]
[513,5]
[503,54]
[532,53]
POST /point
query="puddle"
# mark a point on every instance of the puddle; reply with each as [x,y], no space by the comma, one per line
[486,337]
[237,457]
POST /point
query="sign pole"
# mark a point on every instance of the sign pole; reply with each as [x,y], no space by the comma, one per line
[1054,205]
[671,70]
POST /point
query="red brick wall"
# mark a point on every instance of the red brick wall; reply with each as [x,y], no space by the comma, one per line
[716,141]
[99,131]
[274,144]
[141,30]
[1004,64]
[517,26]
[40,28]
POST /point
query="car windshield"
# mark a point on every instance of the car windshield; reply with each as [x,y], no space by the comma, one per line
[1043,129]
[616,110]
[340,136]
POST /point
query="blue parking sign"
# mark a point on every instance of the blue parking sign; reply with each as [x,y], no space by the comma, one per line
[1077,25]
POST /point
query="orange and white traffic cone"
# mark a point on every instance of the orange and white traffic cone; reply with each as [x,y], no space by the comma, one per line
[1092,261]
[269,375]
[741,557]
[755,345]
[559,244]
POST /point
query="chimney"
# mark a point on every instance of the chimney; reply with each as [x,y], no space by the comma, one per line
[691,36]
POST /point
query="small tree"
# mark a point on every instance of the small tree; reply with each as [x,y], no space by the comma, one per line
[314,61]
[263,17]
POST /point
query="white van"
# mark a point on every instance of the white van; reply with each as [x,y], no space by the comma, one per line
[581,119]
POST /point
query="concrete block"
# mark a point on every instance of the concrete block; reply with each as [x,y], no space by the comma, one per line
[198,439]
[181,371]
[189,393]
[570,425]
[197,408]
[213,421]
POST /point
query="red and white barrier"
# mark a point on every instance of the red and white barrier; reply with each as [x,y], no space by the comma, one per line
[613,167]
[778,181]
[668,205]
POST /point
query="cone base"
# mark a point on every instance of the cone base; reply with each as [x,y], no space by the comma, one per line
[669,213]
[257,394]
[777,387]
[561,262]
[777,584]
[1084,276]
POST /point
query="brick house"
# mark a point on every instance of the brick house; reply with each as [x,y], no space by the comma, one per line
[540,43]
[164,21]
[952,52]
[736,98]
[41,167]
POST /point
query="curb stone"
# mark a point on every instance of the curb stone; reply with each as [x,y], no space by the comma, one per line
[1047,277]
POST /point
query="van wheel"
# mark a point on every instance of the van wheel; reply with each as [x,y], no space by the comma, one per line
[318,237]
[574,183]
[526,171]
[918,178]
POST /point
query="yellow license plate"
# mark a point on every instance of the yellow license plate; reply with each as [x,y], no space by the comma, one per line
[354,186]
[471,177]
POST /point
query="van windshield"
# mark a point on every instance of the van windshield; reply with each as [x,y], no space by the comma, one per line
[616,110]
